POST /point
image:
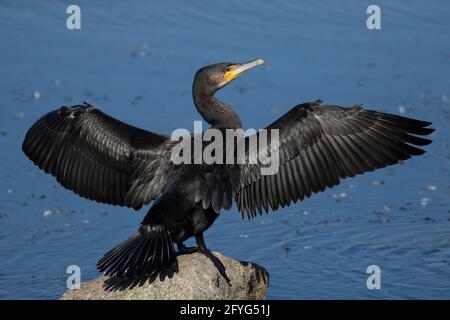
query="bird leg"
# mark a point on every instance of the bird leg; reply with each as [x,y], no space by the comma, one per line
[201,246]
[182,249]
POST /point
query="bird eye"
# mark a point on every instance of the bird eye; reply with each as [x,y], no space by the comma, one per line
[229,67]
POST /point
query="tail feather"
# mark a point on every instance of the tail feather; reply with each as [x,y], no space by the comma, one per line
[149,251]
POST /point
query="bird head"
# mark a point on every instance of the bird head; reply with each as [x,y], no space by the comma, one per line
[216,76]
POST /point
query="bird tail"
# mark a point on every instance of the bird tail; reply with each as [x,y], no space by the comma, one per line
[148,252]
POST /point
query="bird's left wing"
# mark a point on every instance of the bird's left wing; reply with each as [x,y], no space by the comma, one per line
[321,144]
[99,157]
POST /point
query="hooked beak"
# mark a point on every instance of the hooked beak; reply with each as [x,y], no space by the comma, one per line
[235,70]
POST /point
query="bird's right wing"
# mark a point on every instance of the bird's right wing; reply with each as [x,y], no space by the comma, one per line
[321,144]
[99,157]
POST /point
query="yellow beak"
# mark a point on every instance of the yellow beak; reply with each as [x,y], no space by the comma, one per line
[234,71]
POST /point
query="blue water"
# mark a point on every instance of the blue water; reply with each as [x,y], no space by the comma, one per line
[135,60]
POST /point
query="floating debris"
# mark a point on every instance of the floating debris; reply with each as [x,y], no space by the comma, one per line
[36,95]
[48,213]
[35,196]
[21,115]
[9,191]
[431,187]
[243,236]
[386,209]
[383,221]
[378,183]
[67,225]
[402,109]
[339,196]
[143,51]
[86,221]
[424,202]
[305,213]
[307,247]
[286,247]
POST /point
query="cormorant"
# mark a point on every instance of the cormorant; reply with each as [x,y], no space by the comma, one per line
[103,159]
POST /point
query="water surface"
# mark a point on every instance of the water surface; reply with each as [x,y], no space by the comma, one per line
[136,61]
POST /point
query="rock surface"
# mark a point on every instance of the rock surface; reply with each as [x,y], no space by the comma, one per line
[197,278]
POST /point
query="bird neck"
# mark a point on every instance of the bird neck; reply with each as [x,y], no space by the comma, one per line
[217,113]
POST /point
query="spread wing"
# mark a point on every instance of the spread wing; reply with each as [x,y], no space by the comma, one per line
[99,157]
[321,144]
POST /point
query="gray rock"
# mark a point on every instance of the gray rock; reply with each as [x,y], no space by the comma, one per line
[197,278]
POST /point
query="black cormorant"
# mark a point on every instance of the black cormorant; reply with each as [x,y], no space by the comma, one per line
[103,159]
